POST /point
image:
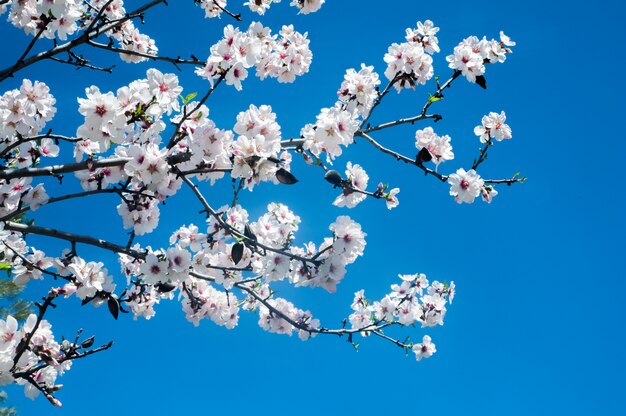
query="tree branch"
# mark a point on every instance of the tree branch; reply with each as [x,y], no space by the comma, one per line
[73,238]
[403,158]
[60,169]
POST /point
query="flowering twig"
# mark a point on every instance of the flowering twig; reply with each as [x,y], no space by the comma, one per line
[176,135]
[232,230]
[84,38]
[175,61]
[403,158]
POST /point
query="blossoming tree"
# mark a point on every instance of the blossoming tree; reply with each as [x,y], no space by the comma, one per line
[145,141]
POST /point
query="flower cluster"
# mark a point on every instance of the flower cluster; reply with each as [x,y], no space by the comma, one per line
[471,55]
[359,89]
[24,112]
[139,212]
[283,57]
[263,247]
[255,152]
[139,45]
[20,191]
[307,6]
[357,181]
[171,266]
[275,323]
[493,127]
[260,6]
[209,146]
[410,63]
[26,267]
[149,168]
[133,119]
[212,8]
[42,351]
[438,147]
[90,281]
[276,228]
[231,262]
[53,19]
[58,19]
[334,127]
[133,114]
[414,301]
[335,254]
[424,34]
[201,300]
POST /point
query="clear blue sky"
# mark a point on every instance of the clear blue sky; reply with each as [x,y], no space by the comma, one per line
[537,325]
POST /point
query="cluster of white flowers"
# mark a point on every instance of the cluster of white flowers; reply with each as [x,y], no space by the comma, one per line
[133,119]
[266,251]
[471,55]
[105,121]
[90,280]
[493,127]
[214,8]
[42,348]
[335,253]
[424,33]
[230,252]
[283,57]
[128,36]
[141,213]
[148,167]
[32,268]
[359,89]
[260,6]
[21,191]
[210,148]
[255,152]
[95,178]
[413,301]
[439,147]
[133,114]
[307,6]
[288,58]
[142,298]
[58,19]
[201,300]
[334,127]
[411,62]
[275,323]
[171,266]
[357,181]
[276,228]
[55,18]
[25,112]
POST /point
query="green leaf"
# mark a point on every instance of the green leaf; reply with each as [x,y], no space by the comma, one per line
[189,97]
[432,98]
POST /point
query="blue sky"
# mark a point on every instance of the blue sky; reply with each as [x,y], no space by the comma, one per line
[536,327]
